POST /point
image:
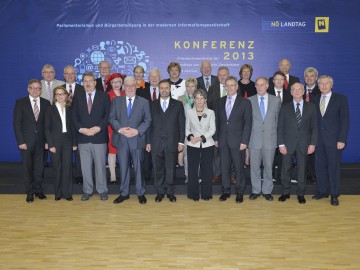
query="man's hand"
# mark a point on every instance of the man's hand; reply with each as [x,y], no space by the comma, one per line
[340,145]
[242,146]
[282,150]
[311,149]
[23,146]
[180,147]
[52,150]
[148,148]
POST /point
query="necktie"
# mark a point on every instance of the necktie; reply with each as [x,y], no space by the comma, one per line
[129,108]
[307,98]
[279,96]
[104,85]
[207,84]
[154,94]
[48,89]
[322,105]
[298,114]
[89,103]
[262,107]
[36,110]
[164,106]
[223,91]
[228,107]
[70,93]
[286,83]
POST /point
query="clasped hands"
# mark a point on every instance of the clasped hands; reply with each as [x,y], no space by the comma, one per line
[128,132]
[90,131]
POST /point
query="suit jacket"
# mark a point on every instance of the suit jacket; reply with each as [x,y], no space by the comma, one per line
[99,116]
[313,94]
[213,95]
[287,97]
[264,132]
[167,128]
[44,93]
[334,125]
[144,93]
[99,85]
[249,88]
[78,88]
[237,129]
[290,134]
[26,129]
[206,127]
[292,80]
[53,126]
[201,83]
[140,119]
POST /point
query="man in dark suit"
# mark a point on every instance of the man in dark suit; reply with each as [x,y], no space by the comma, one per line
[216,91]
[278,89]
[232,136]
[297,133]
[206,80]
[130,118]
[74,89]
[90,112]
[29,121]
[311,92]
[149,93]
[333,121]
[284,67]
[165,139]
[104,68]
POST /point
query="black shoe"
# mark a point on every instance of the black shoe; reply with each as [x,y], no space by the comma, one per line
[224,197]
[312,179]
[69,199]
[159,197]
[171,197]
[41,196]
[79,180]
[147,179]
[268,197]
[206,198]
[301,199]
[142,199]
[253,196]
[57,198]
[195,199]
[113,182]
[283,198]
[319,196]
[239,198]
[334,201]
[29,198]
[120,199]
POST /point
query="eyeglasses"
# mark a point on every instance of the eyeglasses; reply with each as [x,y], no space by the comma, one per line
[69,73]
[230,85]
[130,86]
[48,72]
[35,88]
[62,94]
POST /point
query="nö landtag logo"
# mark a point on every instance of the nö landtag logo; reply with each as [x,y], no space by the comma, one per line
[321,24]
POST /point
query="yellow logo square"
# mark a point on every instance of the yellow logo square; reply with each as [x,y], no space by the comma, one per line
[321,24]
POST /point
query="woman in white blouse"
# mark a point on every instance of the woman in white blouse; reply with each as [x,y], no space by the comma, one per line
[60,138]
[200,127]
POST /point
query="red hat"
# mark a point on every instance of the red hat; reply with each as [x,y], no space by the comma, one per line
[109,78]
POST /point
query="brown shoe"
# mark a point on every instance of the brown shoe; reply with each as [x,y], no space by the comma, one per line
[233,180]
[216,179]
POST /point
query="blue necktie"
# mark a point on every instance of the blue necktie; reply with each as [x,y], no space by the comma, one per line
[262,108]
[164,106]
[129,108]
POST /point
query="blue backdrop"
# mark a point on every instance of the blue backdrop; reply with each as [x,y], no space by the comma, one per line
[319,33]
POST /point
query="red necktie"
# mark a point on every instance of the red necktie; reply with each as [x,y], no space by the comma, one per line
[286,83]
[307,98]
[89,103]
[154,94]
[70,93]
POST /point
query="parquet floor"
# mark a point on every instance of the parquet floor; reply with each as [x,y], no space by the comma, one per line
[182,235]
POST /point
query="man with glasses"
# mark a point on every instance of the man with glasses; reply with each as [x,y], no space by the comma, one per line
[29,121]
[48,83]
[104,69]
[232,136]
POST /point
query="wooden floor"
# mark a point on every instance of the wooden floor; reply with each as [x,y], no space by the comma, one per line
[182,235]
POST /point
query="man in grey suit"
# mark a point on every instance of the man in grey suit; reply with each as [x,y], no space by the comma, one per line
[297,133]
[49,82]
[263,140]
[130,118]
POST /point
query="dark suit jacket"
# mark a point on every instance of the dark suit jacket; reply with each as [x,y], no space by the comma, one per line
[292,80]
[201,83]
[99,85]
[140,119]
[249,88]
[287,97]
[313,94]
[167,129]
[213,95]
[144,92]
[237,129]
[53,126]
[99,116]
[334,126]
[26,129]
[290,134]
[78,88]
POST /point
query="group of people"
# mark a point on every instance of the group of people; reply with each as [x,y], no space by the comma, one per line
[215,126]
